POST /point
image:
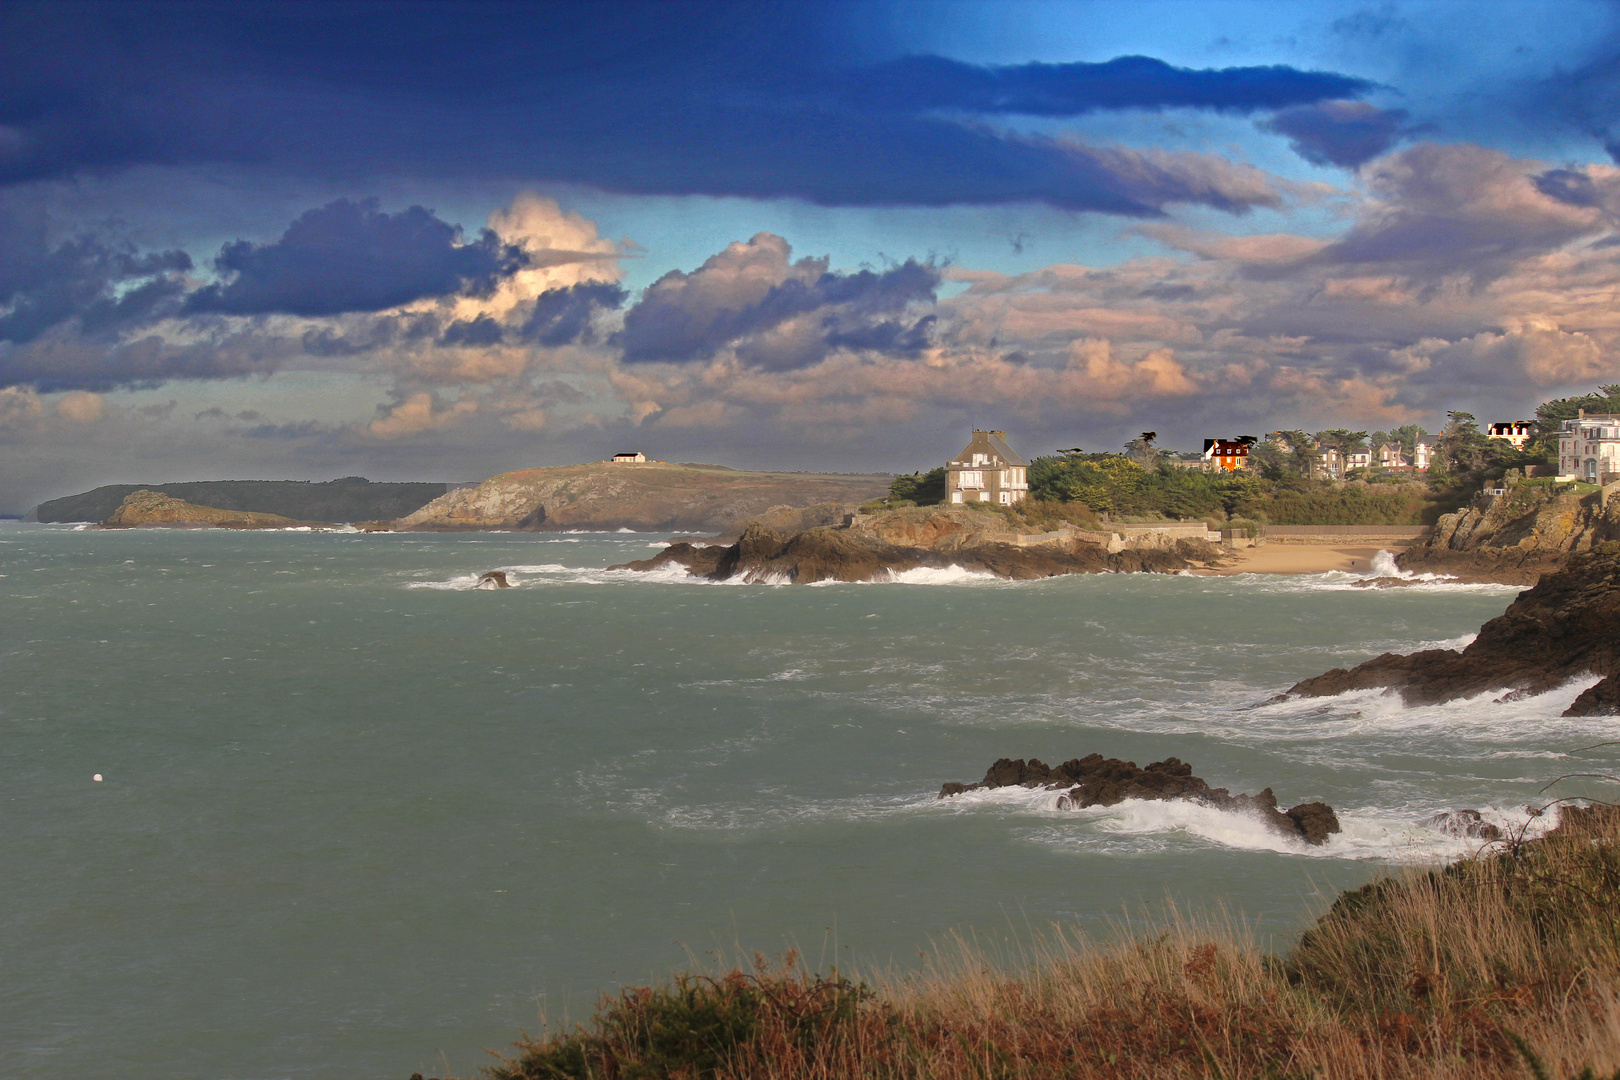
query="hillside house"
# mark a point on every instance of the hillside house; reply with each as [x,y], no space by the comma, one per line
[1392,455]
[1517,432]
[634,456]
[1589,447]
[1227,455]
[1422,456]
[987,471]
[1359,457]
[1330,463]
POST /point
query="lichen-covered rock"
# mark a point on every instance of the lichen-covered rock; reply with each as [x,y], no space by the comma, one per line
[1565,627]
[869,551]
[1098,781]
[1516,537]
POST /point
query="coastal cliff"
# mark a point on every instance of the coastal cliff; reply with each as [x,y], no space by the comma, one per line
[646,497]
[1567,626]
[899,541]
[1515,537]
[151,509]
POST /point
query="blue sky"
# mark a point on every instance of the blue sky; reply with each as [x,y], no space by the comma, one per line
[440,240]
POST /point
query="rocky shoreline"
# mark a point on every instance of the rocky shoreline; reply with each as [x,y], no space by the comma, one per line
[905,540]
[1565,627]
[1516,535]
[1098,781]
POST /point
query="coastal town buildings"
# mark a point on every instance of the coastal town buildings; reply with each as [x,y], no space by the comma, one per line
[987,471]
[1227,455]
[630,456]
[1589,447]
[1392,455]
[1517,432]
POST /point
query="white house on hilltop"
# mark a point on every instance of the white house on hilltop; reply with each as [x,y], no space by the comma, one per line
[987,471]
[630,456]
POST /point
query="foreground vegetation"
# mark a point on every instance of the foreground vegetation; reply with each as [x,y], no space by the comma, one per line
[1504,965]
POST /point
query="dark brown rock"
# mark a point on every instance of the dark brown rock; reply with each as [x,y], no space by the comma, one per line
[1466,823]
[699,560]
[1098,781]
[1567,626]
[493,579]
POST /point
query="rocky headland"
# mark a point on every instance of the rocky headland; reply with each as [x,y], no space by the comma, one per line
[875,547]
[1515,537]
[646,497]
[1566,627]
[1098,781]
[350,499]
[155,509]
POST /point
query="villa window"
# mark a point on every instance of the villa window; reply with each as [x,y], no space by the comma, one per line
[970,478]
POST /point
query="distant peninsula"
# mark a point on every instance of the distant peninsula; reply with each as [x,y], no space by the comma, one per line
[351,499]
[652,496]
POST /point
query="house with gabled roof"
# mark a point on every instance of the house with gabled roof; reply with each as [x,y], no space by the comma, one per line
[987,471]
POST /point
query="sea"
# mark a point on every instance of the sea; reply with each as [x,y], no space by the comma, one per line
[290,804]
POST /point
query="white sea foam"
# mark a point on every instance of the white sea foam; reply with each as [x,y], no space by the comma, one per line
[1382,565]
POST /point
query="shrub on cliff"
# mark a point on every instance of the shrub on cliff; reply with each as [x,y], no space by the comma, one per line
[1504,965]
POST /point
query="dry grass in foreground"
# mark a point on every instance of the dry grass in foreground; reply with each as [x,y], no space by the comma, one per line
[1505,965]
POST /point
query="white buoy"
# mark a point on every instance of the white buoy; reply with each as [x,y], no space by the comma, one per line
[96,778]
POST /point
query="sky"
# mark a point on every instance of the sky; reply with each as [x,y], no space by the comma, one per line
[437,241]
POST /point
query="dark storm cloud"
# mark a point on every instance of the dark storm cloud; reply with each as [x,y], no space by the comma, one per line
[777,315]
[723,99]
[1345,133]
[562,316]
[917,83]
[104,286]
[351,256]
[1569,186]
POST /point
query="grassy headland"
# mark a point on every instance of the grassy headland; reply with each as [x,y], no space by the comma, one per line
[1502,965]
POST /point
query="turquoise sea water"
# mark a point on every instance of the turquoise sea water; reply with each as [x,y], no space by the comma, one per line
[358,819]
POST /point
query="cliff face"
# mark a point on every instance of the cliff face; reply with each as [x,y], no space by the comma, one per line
[154,508]
[1565,627]
[913,539]
[650,497]
[1515,538]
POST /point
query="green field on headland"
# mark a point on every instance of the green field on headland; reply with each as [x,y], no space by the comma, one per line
[1506,964]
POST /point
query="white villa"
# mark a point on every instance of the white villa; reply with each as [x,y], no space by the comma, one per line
[629,456]
[1589,448]
[1517,432]
[987,471]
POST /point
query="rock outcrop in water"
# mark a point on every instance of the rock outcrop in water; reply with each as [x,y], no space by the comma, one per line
[913,539]
[1516,537]
[493,579]
[1565,627]
[650,497]
[151,509]
[1098,781]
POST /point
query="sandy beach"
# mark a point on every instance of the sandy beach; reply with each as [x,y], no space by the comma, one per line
[1300,559]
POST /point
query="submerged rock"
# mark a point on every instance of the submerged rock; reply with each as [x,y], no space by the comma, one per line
[1565,627]
[1467,823]
[1098,781]
[493,579]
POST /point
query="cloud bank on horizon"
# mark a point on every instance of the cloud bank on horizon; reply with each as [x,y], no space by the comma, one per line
[269,239]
